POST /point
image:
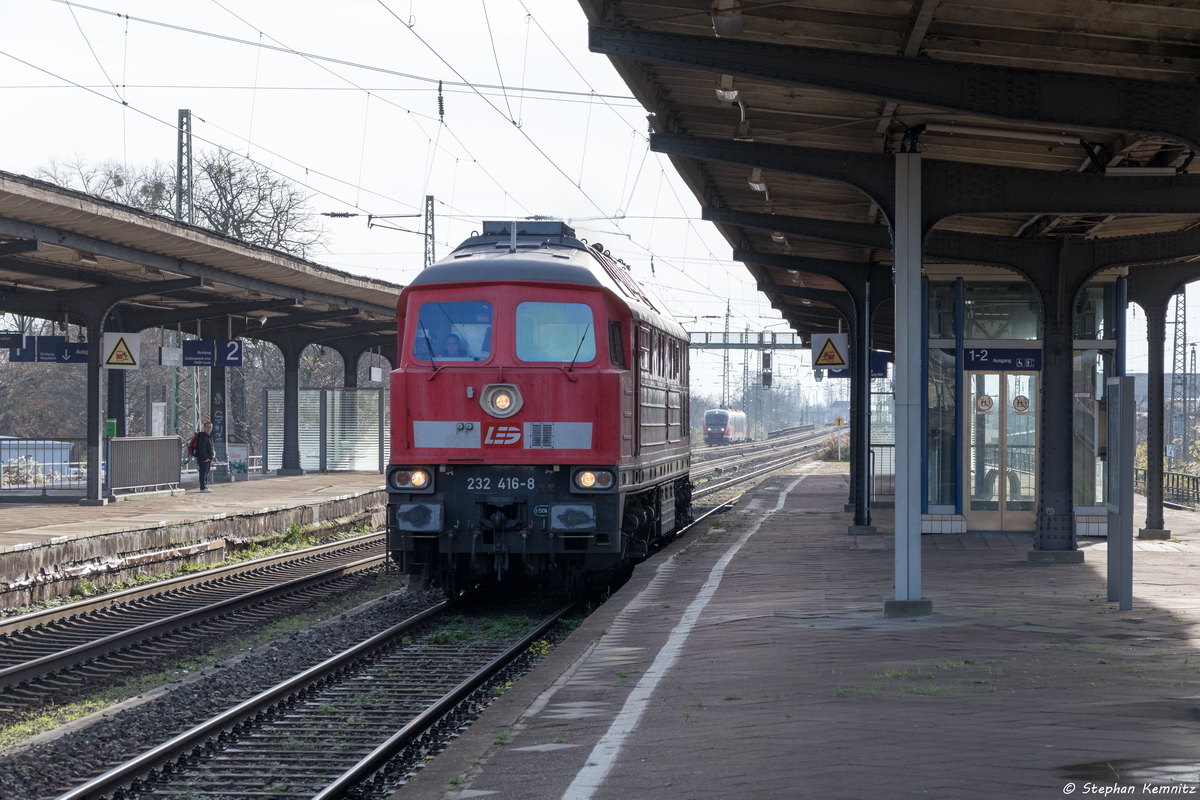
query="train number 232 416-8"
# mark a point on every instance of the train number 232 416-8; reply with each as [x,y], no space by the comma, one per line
[485,484]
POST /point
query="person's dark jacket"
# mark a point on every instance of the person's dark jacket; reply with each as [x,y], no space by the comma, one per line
[205,449]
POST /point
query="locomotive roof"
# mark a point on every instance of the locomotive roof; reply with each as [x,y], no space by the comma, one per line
[546,251]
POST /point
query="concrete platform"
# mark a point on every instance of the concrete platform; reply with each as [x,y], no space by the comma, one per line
[45,549]
[752,659]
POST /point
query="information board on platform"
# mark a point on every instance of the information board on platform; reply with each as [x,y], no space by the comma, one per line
[198,353]
[1003,359]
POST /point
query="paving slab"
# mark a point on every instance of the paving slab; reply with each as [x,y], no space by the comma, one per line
[22,521]
[752,659]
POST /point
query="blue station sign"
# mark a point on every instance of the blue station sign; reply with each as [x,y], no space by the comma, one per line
[1010,359]
[879,367]
[212,353]
[47,347]
[25,354]
[228,352]
[72,353]
[198,353]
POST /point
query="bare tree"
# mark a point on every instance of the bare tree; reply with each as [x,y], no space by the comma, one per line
[231,195]
[148,187]
[245,200]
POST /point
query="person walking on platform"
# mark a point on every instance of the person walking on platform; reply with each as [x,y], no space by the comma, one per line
[205,451]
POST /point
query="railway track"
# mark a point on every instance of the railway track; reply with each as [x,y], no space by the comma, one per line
[102,638]
[713,476]
[361,720]
[55,653]
[52,652]
[705,455]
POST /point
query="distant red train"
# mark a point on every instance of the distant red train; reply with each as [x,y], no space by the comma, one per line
[725,426]
[539,422]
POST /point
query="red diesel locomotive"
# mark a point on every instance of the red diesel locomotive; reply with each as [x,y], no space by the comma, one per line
[539,414]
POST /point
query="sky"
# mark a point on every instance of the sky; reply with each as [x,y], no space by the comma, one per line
[343,99]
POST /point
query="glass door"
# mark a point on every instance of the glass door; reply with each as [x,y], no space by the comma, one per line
[1000,483]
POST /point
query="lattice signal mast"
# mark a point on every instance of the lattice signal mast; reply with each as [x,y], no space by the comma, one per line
[183,169]
[1179,384]
[725,366]
[746,373]
[429,256]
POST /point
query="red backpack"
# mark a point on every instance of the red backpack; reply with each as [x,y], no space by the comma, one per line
[192,444]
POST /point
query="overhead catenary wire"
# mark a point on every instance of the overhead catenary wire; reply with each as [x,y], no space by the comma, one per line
[412,115]
[537,147]
[315,57]
[200,137]
[524,65]
[71,7]
[571,64]
[318,57]
[628,192]
[362,147]
[571,98]
[125,98]
[491,105]
[496,56]
[253,96]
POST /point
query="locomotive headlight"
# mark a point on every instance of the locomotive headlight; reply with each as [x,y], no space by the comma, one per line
[500,400]
[410,479]
[593,479]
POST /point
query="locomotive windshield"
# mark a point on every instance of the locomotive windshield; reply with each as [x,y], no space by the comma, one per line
[715,419]
[454,331]
[555,332]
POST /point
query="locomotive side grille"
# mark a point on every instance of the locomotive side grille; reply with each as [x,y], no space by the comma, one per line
[541,435]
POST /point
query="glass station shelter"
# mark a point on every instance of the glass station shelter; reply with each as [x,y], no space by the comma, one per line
[982,425]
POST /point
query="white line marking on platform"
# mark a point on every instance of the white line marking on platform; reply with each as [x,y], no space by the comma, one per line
[605,753]
[542,748]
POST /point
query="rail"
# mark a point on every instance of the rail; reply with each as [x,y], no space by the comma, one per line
[789,431]
[35,467]
[883,472]
[33,669]
[1178,487]
[46,616]
[161,762]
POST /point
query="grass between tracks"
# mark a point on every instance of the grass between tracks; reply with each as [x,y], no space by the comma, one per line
[222,650]
[296,538]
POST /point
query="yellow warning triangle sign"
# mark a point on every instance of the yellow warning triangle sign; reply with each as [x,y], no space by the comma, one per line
[829,357]
[121,356]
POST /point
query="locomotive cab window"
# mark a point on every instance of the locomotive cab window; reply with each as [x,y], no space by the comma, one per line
[454,331]
[616,345]
[556,332]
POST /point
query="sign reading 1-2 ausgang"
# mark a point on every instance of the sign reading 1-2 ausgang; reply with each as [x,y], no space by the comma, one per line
[1010,359]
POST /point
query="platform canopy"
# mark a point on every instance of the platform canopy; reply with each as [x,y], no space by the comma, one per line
[59,248]
[74,258]
[1077,117]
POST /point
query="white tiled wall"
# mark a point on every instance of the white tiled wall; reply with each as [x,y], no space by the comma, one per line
[943,523]
[1085,524]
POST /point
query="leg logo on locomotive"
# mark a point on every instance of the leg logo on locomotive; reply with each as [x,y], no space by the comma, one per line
[502,434]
